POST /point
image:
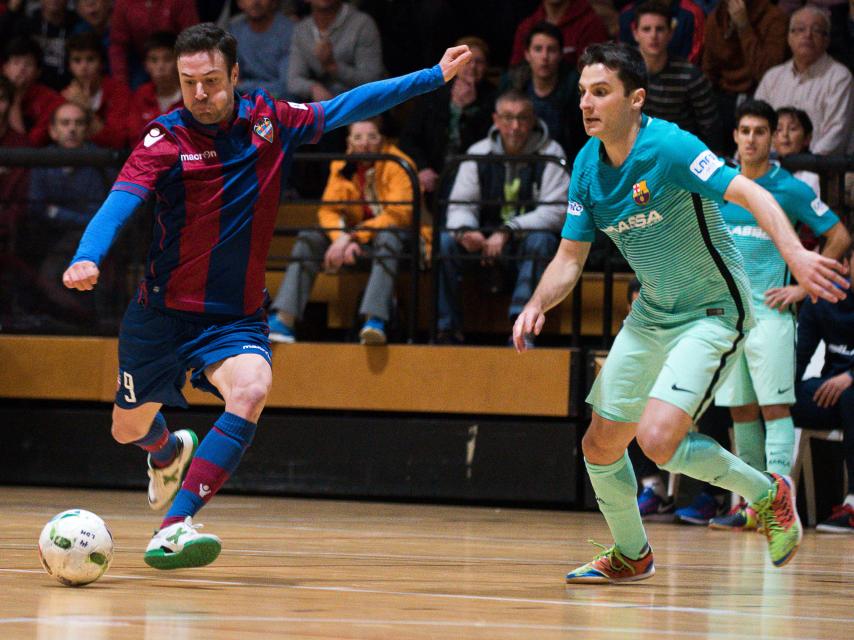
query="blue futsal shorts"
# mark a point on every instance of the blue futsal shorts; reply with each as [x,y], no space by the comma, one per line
[157,348]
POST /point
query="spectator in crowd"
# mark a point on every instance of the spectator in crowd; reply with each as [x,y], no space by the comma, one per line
[13,180]
[449,120]
[335,48]
[687,24]
[50,26]
[677,90]
[162,93]
[525,226]
[219,11]
[793,136]
[827,402]
[351,231]
[95,18]
[577,21]
[34,103]
[107,100]
[743,40]
[131,24]
[813,81]
[264,42]
[551,86]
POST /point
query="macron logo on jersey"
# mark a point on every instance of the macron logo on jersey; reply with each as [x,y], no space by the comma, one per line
[153,137]
[574,208]
[204,155]
[819,207]
[705,165]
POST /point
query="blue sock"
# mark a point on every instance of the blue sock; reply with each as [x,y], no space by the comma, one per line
[160,443]
[216,459]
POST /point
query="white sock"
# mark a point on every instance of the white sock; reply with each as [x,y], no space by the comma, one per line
[849,500]
[655,483]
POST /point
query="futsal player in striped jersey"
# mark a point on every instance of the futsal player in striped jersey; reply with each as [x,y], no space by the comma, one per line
[214,169]
[654,190]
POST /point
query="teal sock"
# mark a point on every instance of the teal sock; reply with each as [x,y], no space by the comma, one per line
[702,458]
[750,443]
[616,494]
[780,445]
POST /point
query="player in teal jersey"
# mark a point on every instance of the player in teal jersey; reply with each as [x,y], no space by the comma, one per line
[653,189]
[764,374]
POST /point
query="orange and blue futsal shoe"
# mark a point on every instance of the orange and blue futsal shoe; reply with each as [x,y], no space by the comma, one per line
[612,567]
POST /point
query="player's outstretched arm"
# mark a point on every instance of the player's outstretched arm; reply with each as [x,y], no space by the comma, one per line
[557,282]
[817,274]
[373,98]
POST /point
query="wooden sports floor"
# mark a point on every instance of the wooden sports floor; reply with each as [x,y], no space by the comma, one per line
[324,569]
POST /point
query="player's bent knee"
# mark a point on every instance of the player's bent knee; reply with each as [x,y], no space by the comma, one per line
[251,396]
[658,444]
[596,446]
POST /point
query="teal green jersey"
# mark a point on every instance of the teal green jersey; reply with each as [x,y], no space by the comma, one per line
[660,209]
[764,265]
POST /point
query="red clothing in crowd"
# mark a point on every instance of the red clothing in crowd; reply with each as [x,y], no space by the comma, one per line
[134,21]
[14,182]
[580,26]
[38,105]
[144,108]
[113,112]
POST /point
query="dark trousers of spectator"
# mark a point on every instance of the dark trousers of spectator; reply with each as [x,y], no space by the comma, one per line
[808,415]
[526,257]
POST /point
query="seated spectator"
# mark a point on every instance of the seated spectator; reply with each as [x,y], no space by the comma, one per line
[95,18]
[687,24]
[162,93]
[447,121]
[578,23]
[352,231]
[677,90]
[106,99]
[827,402]
[34,103]
[264,43]
[741,43]
[13,180]
[132,23]
[335,48]
[525,227]
[813,81]
[551,86]
[50,26]
[793,136]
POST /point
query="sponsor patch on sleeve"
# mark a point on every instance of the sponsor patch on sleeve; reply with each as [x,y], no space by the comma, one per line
[298,105]
[705,165]
[819,207]
[574,208]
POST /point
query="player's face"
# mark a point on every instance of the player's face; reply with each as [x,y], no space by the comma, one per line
[605,108]
[21,70]
[543,55]
[514,121]
[160,65]
[85,66]
[207,86]
[790,136]
[68,128]
[364,137]
[753,138]
[652,34]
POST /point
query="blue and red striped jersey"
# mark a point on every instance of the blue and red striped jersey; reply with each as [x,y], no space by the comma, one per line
[217,190]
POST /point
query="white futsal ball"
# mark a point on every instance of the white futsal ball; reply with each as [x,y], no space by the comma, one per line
[76,547]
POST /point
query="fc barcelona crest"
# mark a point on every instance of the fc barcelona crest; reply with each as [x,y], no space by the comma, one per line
[264,128]
[640,193]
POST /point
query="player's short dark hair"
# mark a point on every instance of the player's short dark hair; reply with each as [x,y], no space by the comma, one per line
[800,115]
[88,41]
[207,37]
[21,46]
[633,288]
[625,60]
[546,29]
[656,8]
[757,109]
[159,40]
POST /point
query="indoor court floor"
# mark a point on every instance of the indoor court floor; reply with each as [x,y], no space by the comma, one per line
[333,569]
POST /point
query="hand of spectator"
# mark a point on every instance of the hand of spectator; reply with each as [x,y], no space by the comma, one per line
[463,92]
[827,395]
[319,93]
[494,245]
[455,58]
[323,53]
[472,241]
[738,13]
[428,179]
[782,297]
[819,275]
[81,275]
[351,252]
[334,257]
[530,321]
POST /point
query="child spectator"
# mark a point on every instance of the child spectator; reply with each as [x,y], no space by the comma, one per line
[162,93]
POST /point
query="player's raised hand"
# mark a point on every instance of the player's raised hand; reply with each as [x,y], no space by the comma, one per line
[82,276]
[455,58]
[819,276]
[530,321]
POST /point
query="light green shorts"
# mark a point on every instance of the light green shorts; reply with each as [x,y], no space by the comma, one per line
[681,366]
[765,371]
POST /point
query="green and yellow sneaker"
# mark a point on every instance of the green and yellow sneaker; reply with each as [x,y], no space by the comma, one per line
[180,546]
[778,516]
[612,567]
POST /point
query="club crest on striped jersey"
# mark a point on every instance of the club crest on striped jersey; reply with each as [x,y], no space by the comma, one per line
[640,193]
[264,128]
